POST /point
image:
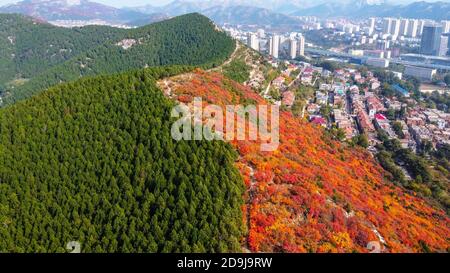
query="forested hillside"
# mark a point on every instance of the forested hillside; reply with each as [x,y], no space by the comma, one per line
[30,47]
[187,40]
[93,161]
[314,194]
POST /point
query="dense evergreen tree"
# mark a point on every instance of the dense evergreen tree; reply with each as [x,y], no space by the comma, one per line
[93,161]
[30,47]
[47,55]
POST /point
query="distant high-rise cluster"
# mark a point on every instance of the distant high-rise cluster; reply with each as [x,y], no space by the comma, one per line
[384,38]
[434,40]
[277,45]
[406,27]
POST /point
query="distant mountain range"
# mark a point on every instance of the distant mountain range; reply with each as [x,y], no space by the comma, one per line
[248,16]
[178,7]
[364,8]
[149,19]
[51,10]
[257,11]
[231,11]
[262,12]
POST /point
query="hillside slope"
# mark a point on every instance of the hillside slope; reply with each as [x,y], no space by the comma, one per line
[93,161]
[313,194]
[186,40]
[31,47]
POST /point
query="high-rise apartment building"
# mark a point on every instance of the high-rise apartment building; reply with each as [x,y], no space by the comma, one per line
[387,25]
[372,24]
[274,46]
[301,45]
[253,41]
[422,24]
[404,26]
[261,33]
[445,26]
[395,27]
[292,48]
[431,39]
[443,46]
[383,44]
[413,28]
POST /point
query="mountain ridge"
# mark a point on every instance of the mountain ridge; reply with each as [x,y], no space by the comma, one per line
[279,11]
[187,39]
[361,9]
[50,10]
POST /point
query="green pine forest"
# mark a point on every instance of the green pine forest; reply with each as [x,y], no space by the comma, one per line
[39,55]
[86,153]
[93,161]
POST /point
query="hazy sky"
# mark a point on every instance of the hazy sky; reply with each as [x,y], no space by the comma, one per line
[116,3]
[130,3]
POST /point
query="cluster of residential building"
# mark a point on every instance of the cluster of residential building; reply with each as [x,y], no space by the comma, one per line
[380,41]
[287,45]
[419,124]
[428,125]
[354,99]
[357,108]
[353,112]
[387,33]
[374,41]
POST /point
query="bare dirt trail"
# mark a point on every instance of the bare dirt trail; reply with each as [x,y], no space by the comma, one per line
[229,60]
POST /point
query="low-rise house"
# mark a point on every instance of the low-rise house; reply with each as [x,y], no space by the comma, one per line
[339,89]
[374,105]
[374,85]
[415,121]
[339,101]
[396,105]
[319,121]
[313,108]
[325,87]
[364,123]
[288,98]
[420,134]
[321,98]
[278,82]
[354,89]
[382,123]
[307,79]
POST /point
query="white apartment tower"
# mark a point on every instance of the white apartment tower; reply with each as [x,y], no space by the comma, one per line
[420,27]
[413,28]
[253,41]
[372,24]
[261,33]
[395,27]
[387,25]
[274,46]
[445,26]
[292,48]
[301,45]
[404,27]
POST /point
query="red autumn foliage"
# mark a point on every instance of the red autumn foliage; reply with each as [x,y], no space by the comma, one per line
[315,195]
